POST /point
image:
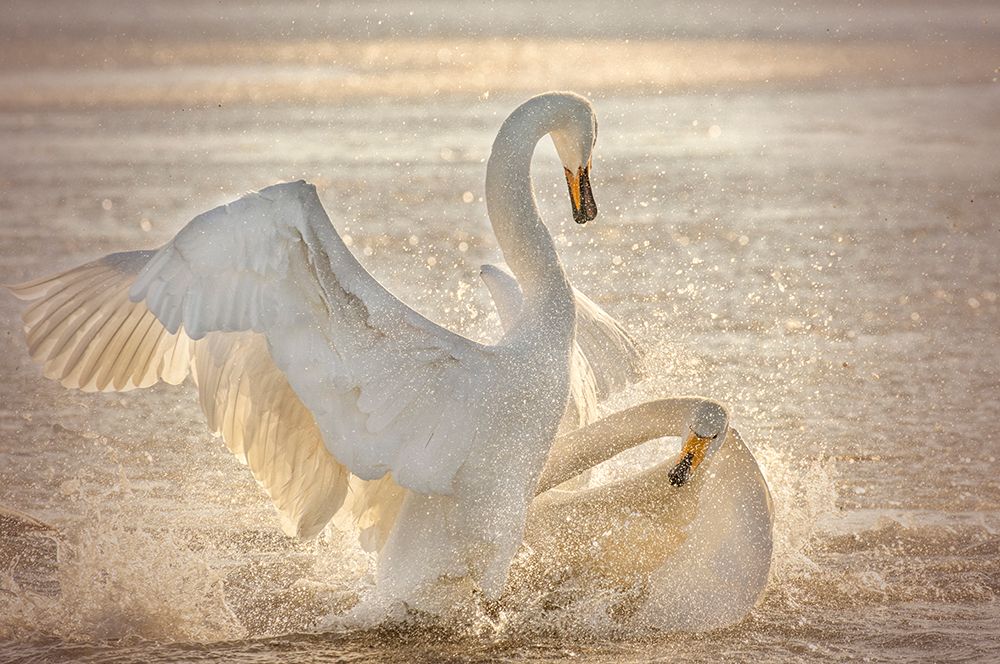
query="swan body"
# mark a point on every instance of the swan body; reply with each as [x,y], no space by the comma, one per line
[693,548]
[317,376]
[605,356]
[617,362]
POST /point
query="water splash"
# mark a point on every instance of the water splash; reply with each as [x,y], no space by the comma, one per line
[804,491]
[117,578]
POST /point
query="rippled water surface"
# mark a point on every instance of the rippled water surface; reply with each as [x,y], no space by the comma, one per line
[799,217]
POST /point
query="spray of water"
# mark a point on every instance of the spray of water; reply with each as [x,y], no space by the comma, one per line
[116,578]
[119,577]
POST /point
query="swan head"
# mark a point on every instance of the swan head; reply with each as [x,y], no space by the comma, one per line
[707,431]
[574,138]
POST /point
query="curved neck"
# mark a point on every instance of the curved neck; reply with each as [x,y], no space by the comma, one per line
[576,452]
[526,244]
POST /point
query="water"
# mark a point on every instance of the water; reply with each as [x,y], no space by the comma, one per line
[800,223]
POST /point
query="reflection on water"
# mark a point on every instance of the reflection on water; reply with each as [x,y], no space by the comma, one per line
[820,255]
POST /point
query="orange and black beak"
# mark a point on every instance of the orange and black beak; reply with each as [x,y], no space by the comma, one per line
[580,194]
[692,454]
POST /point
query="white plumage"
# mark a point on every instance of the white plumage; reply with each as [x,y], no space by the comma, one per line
[320,379]
[605,356]
[692,554]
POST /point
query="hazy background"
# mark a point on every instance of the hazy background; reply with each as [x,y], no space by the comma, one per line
[798,216]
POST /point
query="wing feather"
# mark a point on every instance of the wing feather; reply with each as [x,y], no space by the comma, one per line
[615,357]
[306,366]
[66,318]
[90,336]
[272,262]
[87,333]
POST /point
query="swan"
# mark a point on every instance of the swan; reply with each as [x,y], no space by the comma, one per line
[605,359]
[689,539]
[314,373]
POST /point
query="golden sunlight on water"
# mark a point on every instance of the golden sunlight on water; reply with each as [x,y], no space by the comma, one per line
[136,74]
[798,218]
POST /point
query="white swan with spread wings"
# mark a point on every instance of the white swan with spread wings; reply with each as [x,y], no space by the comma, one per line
[313,372]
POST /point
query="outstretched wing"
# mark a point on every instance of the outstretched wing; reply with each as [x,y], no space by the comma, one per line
[381,383]
[88,335]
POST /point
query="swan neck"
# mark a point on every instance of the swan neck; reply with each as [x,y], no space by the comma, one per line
[575,452]
[526,244]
